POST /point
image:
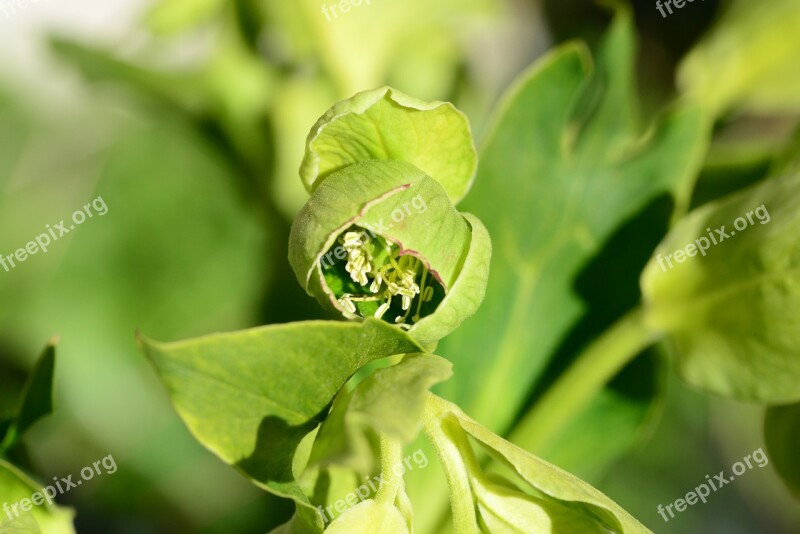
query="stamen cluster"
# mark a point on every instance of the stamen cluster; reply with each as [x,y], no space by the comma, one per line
[375,264]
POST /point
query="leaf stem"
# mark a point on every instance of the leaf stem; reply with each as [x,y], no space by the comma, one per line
[573,391]
[435,427]
[391,456]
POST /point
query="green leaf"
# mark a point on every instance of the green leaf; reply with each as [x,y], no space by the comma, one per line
[340,443]
[545,496]
[36,400]
[565,166]
[183,91]
[730,309]
[252,396]
[46,518]
[749,60]
[385,124]
[370,516]
[388,37]
[169,17]
[782,435]
[503,508]
[15,127]
[567,156]
[620,416]
[390,402]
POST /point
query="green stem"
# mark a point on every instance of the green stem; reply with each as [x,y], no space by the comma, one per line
[575,389]
[435,427]
[391,456]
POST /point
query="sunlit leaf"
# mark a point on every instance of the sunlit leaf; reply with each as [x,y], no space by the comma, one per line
[544,498]
[46,518]
[252,396]
[370,516]
[390,401]
[565,166]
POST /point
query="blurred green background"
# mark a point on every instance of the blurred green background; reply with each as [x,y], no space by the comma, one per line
[189,117]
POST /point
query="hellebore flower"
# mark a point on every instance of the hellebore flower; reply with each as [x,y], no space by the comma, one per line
[381,236]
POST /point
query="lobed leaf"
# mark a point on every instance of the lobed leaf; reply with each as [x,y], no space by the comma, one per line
[565,166]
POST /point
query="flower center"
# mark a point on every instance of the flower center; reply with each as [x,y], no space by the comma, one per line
[379,281]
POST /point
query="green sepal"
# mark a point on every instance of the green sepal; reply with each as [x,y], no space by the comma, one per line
[385,124]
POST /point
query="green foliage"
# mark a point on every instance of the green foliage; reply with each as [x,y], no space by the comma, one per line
[392,400]
[370,516]
[586,145]
[277,380]
[558,503]
[782,436]
[749,61]
[388,36]
[307,410]
[176,16]
[294,374]
[36,400]
[728,310]
[43,519]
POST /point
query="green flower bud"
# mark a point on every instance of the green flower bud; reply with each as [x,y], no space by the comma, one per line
[381,237]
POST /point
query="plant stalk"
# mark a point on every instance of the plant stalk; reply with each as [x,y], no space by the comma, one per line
[575,389]
[391,456]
